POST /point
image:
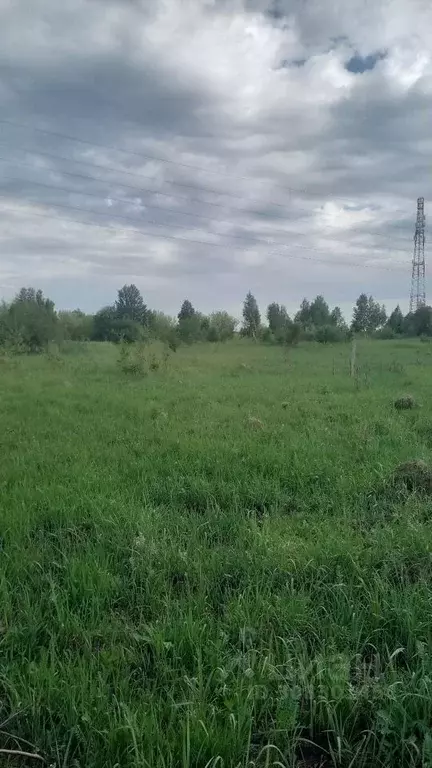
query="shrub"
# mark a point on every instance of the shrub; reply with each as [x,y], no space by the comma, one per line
[76,325]
[189,329]
[330,334]
[221,326]
[29,323]
[415,475]
[405,403]
[141,358]
[107,326]
[288,335]
[212,334]
[386,333]
[293,334]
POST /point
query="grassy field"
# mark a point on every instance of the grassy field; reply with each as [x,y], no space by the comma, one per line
[208,565]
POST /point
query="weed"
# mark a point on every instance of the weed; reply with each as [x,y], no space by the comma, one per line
[405,403]
[141,358]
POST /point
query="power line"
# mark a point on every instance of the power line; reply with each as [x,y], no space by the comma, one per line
[173,195]
[166,181]
[156,158]
[151,157]
[189,240]
[252,240]
[286,233]
[124,200]
[206,190]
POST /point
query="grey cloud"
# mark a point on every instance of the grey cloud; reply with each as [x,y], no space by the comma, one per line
[204,89]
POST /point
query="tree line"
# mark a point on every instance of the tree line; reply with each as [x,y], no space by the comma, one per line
[30,321]
[315,321]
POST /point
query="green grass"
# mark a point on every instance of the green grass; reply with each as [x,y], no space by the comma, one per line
[204,566]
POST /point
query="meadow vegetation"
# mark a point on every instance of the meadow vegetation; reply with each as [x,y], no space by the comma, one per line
[211,558]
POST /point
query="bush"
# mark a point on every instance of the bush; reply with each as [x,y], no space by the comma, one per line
[330,334]
[288,335]
[293,335]
[190,329]
[221,326]
[212,334]
[141,358]
[76,325]
[107,326]
[29,324]
[162,327]
[405,403]
[307,334]
[386,333]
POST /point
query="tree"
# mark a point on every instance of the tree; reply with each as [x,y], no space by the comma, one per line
[396,320]
[164,328]
[368,315]
[377,316]
[192,325]
[130,305]
[107,326]
[190,328]
[360,314]
[104,323]
[319,312]
[337,319]
[221,326]
[76,325]
[251,316]
[422,321]
[31,321]
[329,334]
[277,317]
[186,311]
[409,325]
[160,324]
[303,316]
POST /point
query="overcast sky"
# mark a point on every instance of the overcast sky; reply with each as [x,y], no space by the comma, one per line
[225,145]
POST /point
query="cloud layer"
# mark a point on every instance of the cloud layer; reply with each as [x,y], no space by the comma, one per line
[224,146]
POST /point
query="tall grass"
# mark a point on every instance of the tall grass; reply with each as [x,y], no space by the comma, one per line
[181,589]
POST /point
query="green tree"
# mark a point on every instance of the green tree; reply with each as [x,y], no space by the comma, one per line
[303,317]
[277,317]
[190,329]
[76,325]
[130,305]
[26,295]
[251,316]
[329,334]
[422,321]
[31,321]
[108,326]
[368,315]
[186,311]
[337,319]
[104,322]
[360,319]
[377,316]
[319,312]
[162,326]
[192,325]
[221,326]
[396,320]
[408,325]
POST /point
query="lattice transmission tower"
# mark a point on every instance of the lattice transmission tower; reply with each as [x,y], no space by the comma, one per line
[418,281]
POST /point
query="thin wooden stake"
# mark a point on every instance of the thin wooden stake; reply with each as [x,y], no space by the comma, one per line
[353,357]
